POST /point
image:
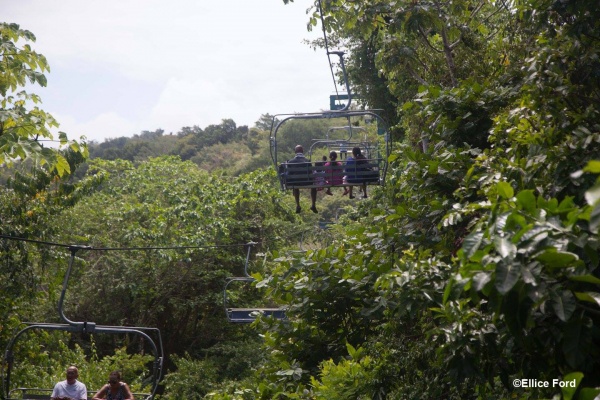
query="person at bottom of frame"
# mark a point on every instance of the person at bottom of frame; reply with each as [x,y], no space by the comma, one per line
[301,170]
[115,389]
[71,388]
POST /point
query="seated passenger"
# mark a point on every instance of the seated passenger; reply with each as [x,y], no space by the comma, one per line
[298,174]
[333,172]
[358,171]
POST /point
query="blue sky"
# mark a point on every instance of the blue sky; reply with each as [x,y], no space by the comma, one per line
[119,67]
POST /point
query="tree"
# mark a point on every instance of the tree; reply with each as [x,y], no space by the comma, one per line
[22,127]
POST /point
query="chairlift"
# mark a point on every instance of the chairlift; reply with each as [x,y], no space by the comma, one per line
[376,151]
[247,315]
[84,327]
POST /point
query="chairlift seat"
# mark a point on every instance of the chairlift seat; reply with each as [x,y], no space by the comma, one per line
[249,315]
[24,394]
[348,174]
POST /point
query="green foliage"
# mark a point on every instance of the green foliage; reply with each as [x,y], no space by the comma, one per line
[22,127]
[193,379]
[536,256]
[345,380]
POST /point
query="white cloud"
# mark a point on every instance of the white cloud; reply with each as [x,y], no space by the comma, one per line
[103,126]
[119,67]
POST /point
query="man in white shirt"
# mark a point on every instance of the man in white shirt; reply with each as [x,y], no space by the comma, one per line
[71,388]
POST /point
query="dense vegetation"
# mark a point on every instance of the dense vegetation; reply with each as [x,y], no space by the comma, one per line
[476,265]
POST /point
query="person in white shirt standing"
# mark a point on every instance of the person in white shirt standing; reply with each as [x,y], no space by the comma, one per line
[71,388]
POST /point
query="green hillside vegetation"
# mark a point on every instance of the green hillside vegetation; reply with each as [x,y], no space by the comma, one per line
[471,273]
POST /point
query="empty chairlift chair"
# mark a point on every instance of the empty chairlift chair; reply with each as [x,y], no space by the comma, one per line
[246,315]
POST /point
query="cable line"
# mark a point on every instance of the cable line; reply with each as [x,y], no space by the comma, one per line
[85,247]
[327,48]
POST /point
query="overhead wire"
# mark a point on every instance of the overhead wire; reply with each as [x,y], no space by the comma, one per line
[86,247]
[327,48]
[137,248]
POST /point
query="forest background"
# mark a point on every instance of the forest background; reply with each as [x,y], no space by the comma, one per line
[474,267]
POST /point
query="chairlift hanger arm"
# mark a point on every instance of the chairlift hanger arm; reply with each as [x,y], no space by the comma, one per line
[85,327]
[88,327]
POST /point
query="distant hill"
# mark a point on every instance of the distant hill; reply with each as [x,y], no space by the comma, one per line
[225,147]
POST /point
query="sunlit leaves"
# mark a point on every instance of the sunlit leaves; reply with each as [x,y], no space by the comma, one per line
[505,190]
[22,126]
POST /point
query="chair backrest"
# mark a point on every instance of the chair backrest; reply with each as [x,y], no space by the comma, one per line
[29,396]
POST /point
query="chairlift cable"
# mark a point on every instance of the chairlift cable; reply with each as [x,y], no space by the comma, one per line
[75,247]
[85,247]
[327,48]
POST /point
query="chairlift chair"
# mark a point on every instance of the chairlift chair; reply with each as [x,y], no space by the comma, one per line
[247,315]
[84,327]
[301,176]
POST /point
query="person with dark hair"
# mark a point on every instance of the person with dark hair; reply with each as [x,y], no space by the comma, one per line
[71,388]
[356,171]
[298,175]
[115,389]
[333,172]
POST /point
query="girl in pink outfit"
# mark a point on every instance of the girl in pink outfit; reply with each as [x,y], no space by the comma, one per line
[334,173]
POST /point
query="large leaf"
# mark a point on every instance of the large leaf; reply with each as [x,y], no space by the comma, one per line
[480,280]
[590,297]
[505,190]
[507,274]
[563,304]
[557,259]
[593,167]
[588,394]
[568,390]
[576,343]
[505,247]
[595,219]
[593,194]
[526,199]
[472,243]
[585,278]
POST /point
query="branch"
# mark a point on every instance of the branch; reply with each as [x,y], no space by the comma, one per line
[449,58]
[424,36]
[453,45]
[416,76]
[448,51]
[494,13]
[477,9]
